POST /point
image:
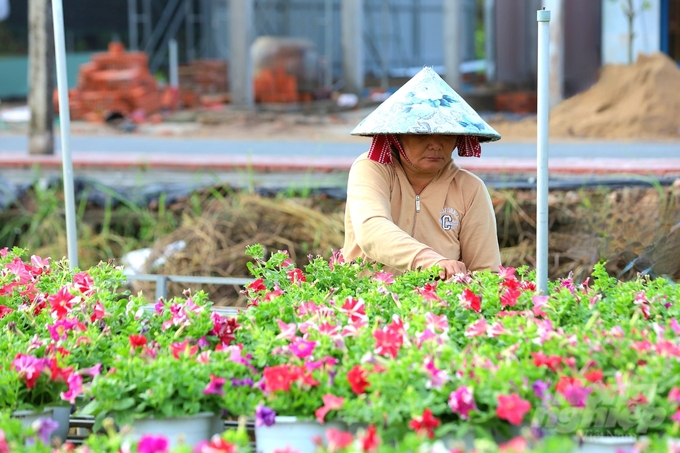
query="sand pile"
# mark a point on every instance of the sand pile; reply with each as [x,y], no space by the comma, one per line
[640,100]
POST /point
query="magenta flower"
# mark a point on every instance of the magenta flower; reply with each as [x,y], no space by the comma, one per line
[302,348]
[674,395]
[28,368]
[676,417]
[75,388]
[264,416]
[245,382]
[92,371]
[462,402]
[153,444]
[437,377]
[675,326]
[215,386]
[576,394]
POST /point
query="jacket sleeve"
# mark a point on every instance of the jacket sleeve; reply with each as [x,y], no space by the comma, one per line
[368,201]
[478,236]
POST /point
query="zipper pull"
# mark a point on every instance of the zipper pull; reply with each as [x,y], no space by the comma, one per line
[417,203]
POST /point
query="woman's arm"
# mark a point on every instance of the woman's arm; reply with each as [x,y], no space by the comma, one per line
[478,236]
[368,202]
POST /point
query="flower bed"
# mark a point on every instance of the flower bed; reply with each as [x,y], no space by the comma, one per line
[404,360]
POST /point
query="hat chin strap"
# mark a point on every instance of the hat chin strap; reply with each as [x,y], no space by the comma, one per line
[381,148]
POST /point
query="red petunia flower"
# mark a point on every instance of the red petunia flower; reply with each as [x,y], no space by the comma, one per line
[357,379]
[512,408]
[424,424]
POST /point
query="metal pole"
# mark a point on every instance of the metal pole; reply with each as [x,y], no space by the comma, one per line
[65,125]
[174,73]
[543,90]
[352,29]
[385,28]
[241,31]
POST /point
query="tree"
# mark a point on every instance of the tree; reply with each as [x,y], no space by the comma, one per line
[41,77]
[628,8]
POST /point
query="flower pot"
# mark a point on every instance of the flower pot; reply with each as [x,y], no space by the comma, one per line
[606,444]
[190,430]
[292,432]
[62,415]
[27,417]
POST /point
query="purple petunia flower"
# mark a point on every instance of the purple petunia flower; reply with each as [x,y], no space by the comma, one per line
[246,382]
[264,416]
[540,388]
[45,429]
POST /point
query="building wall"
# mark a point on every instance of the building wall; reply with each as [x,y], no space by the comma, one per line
[516,41]
[615,31]
[583,45]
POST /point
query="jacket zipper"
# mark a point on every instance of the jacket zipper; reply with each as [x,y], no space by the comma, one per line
[417,203]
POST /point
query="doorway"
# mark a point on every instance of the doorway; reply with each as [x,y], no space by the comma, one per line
[670,24]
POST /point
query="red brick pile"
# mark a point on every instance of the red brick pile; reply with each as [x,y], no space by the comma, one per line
[116,81]
[203,82]
[275,85]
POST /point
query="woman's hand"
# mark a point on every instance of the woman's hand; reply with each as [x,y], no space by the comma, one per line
[451,268]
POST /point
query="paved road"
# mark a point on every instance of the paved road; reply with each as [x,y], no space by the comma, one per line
[157,146]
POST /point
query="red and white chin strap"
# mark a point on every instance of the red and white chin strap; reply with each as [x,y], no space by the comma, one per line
[381,148]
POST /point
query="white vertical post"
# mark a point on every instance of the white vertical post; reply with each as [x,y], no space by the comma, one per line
[556,8]
[543,91]
[352,29]
[174,72]
[65,125]
[490,35]
[453,45]
[241,25]
[328,75]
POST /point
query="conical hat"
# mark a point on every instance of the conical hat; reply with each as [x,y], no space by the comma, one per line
[426,105]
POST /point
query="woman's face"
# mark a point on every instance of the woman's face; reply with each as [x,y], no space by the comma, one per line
[428,153]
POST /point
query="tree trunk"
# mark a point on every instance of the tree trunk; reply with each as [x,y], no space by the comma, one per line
[631,31]
[41,77]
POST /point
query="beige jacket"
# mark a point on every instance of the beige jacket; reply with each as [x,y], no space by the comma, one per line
[386,222]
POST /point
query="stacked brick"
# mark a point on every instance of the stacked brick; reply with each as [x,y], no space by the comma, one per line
[116,81]
[274,85]
[202,82]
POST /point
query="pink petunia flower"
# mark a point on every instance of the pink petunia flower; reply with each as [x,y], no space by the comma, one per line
[384,277]
[288,331]
[302,348]
[75,388]
[462,402]
[330,402]
[436,323]
[539,302]
[477,329]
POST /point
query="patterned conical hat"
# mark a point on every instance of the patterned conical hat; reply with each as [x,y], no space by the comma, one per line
[426,105]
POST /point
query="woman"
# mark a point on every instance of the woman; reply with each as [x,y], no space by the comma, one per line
[409,206]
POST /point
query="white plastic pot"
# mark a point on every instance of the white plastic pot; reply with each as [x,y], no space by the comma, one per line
[27,417]
[62,415]
[606,444]
[292,432]
[190,430]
